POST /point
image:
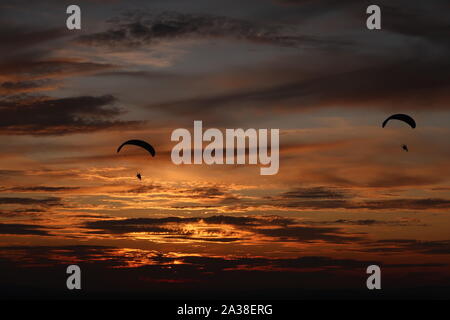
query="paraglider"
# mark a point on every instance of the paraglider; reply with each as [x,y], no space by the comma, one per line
[401,117]
[139,143]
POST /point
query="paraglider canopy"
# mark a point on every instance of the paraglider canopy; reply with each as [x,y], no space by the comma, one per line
[139,143]
[401,117]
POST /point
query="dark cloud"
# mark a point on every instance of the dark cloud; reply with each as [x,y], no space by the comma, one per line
[413,19]
[28,256]
[51,201]
[321,3]
[60,116]
[203,192]
[32,68]
[162,225]
[156,274]
[172,227]
[336,198]
[39,189]
[402,245]
[373,222]
[293,2]
[409,204]
[10,173]
[16,87]
[393,179]
[141,28]
[22,229]
[17,38]
[406,204]
[305,234]
[316,193]
[136,224]
[316,204]
[28,212]
[419,20]
[207,192]
[425,86]
[144,189]
[150,274]
[96,254]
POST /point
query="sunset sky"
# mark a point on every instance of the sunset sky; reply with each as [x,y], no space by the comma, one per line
[346,194]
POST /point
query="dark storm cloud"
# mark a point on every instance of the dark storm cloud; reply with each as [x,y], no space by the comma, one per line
[39,189]
[319,2]
[135,224]
[156,274]
[46,202]
[60,116]
[159,224]
[46,255]
[97,254]
[145,75]
[144,189]
[14,87]
[316,193]
[393,179]
[204,192]
[194,238]
[427,20]
[373,222]
[293,2]
[316,204]
[277,228]
[28,212]
[106,256]
[410,204]
[305,234]
[417,78]
[22,229]
[420,20]
[402,245]
[424,86]
[141,28]
[207,192]
[18,38]
[312,8]
[31,67]
[336,198]
[218,264]
[248,221]
[407,204]
[10,173]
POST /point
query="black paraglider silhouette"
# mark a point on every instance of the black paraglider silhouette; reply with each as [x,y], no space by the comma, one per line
[401,117]
[141,144]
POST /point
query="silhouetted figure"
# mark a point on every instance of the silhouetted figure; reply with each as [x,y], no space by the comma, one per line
[139,143]
[405,147]
[138,175]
